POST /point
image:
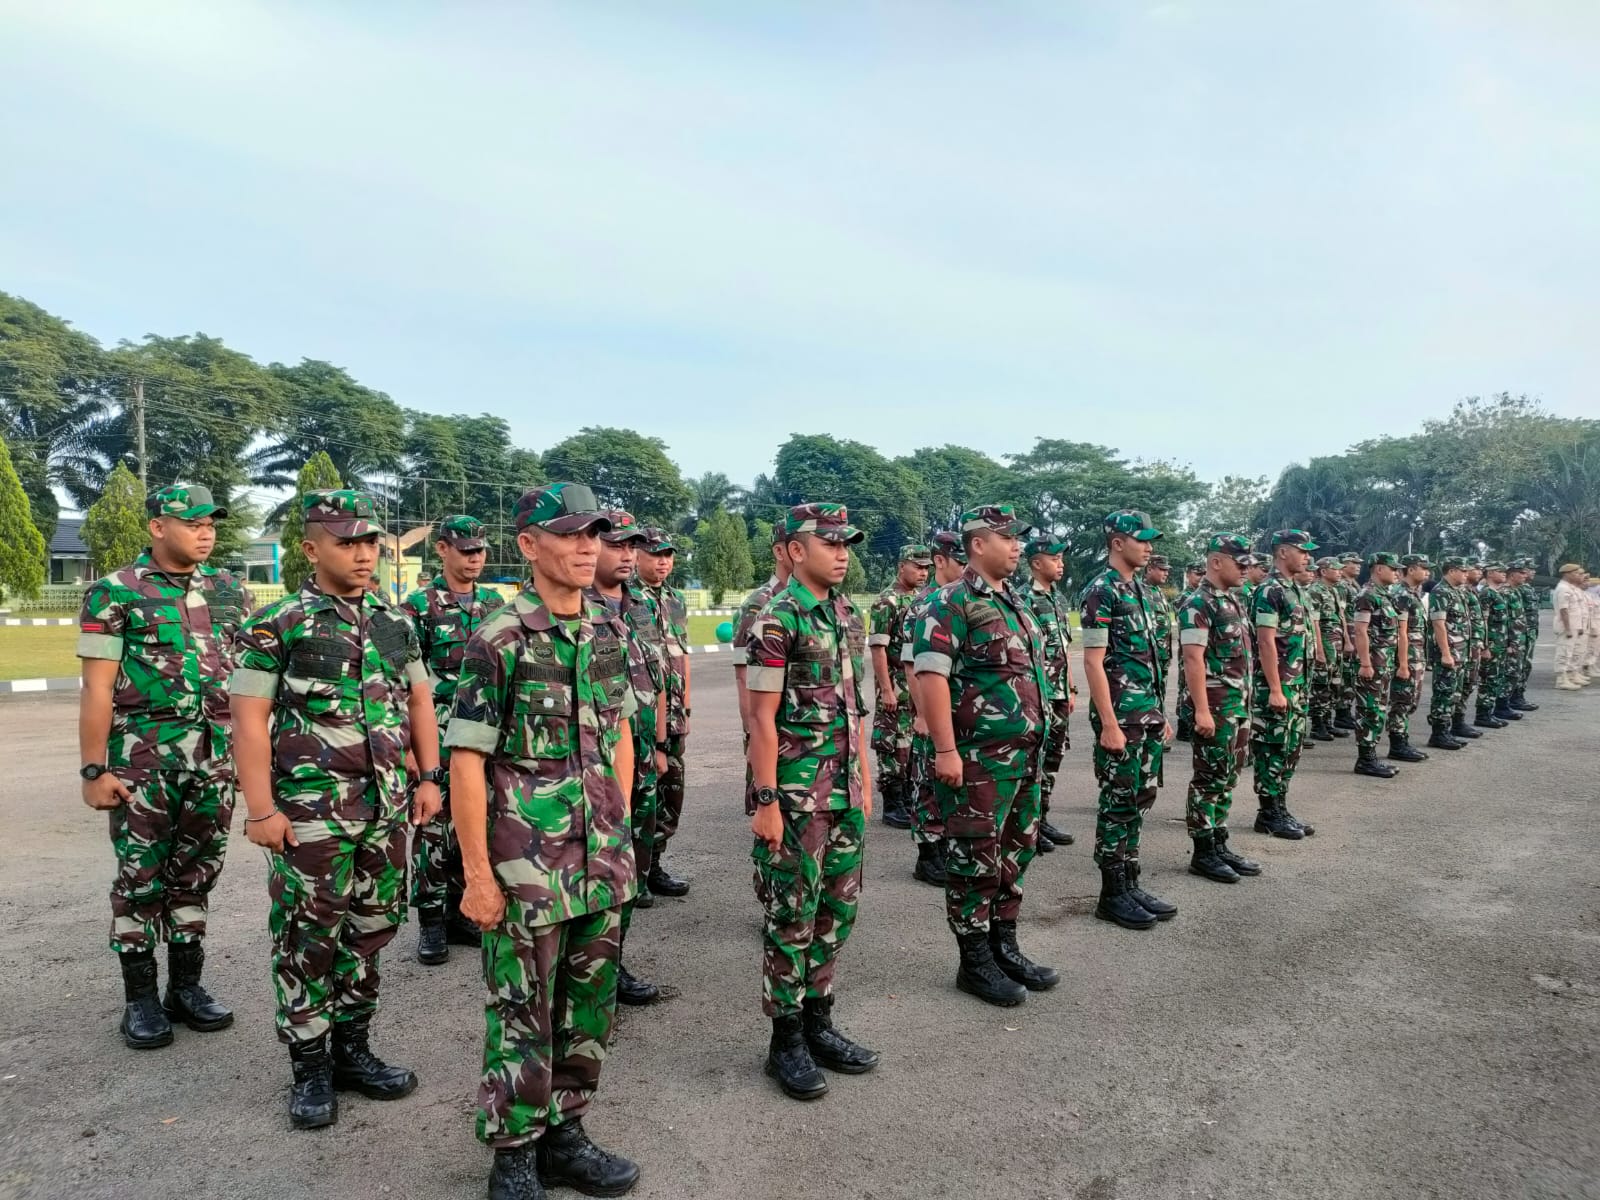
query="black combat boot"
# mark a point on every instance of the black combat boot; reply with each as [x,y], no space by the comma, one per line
[1008,956]
[1338,731]
[1116,904]
[1503,710]
[789,1061]
[145,1024]
[186,1000]
[1207,863]
[1044,845]
[1461,730]
[930,864]
[1368,763]
[312,1100]
[632,991]
[1485,718]
[896,812]
[1154,905]
[1275,819]
[829,1047]
[567,1156]
[1240,864]
[665,883]
[357,1068]
[461,932]
[1306,827]
[433,937]
[515,1175]
[1322,731]
[979,975]
[1441,739]
[1057,835]
[1345,719]
[1521,702]
[1401,750]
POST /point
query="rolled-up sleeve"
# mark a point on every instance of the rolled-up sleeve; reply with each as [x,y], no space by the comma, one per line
[768,653]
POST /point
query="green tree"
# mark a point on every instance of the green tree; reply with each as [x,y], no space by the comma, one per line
[22,547]
[722,554]
[116,527]
[953,479]
[318,475]
[760,548]
[625,470]
[881,495]
[1232,505]
[855,579]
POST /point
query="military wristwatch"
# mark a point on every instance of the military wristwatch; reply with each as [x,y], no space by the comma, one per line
[765,796]
[92,771]
[436,775]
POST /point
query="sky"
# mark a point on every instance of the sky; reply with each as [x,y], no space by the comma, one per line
[1233,235]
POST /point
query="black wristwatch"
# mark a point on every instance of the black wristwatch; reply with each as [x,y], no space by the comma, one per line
[437,775]
[93,771]
[765,796]
[664,747]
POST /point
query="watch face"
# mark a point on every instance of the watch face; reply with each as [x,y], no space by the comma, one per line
[92,772]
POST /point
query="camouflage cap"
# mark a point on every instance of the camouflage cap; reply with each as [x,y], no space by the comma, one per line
[464,533]
[1197,567]
[830,522]
[1298,538]
[1254,560]
[1130,522]
[343,513]
[559,508]
[188,502]
[1453,562]
[1521,564]
[998,518]
[657,541]
[1234,545]
[1383,558]
[1044,544]
[1414,560]
[1328,563]
[623,528]
[1348,557]
[916,552]
[1158,562]
[1495,566]
[947,544]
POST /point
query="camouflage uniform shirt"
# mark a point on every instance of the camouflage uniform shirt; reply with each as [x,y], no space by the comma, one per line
[672,616]
[1451,603]
[544,699]
[1279,605]
[750,610]
[1213,618]
[1408,604]
[339,672]
[1050,614]
[890,613]
[1382,621]
[444,626]
[173,641]
[1115,614]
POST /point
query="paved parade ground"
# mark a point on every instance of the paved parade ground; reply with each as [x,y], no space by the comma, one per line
[1405,1005]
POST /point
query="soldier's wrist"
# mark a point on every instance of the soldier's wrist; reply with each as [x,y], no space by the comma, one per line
[271,812]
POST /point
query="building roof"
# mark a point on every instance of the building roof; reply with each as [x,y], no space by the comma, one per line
[66,542]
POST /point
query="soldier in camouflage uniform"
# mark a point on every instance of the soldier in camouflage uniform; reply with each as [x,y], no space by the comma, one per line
[985,690]
[1284,628]
[1410,657]
[542,760]
[811,799]
[927,822]
[1525,632]
[155,732]
[656,559]
[1378,628]
[749,610]
[617,590]
[1052,613]
[1117,624]
[330,692]
[893,715]
[1215,636]
[446,613]
[1155,578]
[1344,706]
[1494,696]
[1472,668]
[1192,575]
[1449,627]
[1333,624]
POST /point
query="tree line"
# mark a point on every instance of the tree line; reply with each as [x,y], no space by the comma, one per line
[1499,473]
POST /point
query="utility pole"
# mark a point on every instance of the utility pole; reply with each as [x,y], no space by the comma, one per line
[138,425]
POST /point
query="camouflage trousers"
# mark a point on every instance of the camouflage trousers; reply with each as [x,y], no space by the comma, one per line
[337,899]
[436,876]
[891,742]
[548,1020]
[1467,680]
[1056,744]
[1217,762]
[810,887]
[170,837]
[1372,697]
[1528,647]
[927,821]
[992,834]
[1349,670]
[1185,701]
[1447,683]
[1492,678]
[642,814]
[1275,742]
[1127,791]
[1324,691]
[669,794]
[1404,697]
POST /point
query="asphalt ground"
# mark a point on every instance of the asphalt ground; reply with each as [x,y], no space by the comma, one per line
[1406,1005]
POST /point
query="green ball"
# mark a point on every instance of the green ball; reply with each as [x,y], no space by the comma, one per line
[725,632]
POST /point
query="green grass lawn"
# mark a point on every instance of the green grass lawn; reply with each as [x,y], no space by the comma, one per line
[703,630]
[52,614]
[38,651]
